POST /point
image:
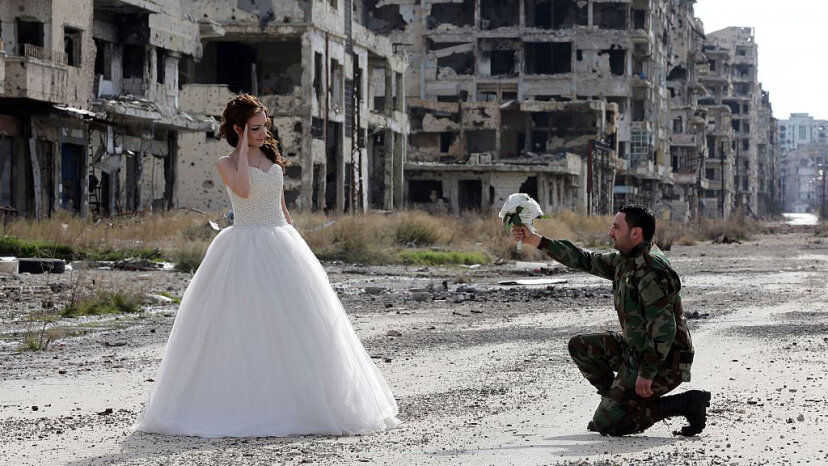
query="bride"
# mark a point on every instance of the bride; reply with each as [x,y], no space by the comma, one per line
[261,345]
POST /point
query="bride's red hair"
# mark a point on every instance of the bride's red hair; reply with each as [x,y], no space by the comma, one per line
[240,109]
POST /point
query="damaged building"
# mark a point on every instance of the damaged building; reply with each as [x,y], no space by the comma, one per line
[89,111]
[506,96]
[45,100]
[548,82]
[334,89]
[798,130]
[111,106]
[804,174]
[744,158]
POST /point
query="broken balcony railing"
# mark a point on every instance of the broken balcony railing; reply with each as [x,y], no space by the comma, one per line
[40,53]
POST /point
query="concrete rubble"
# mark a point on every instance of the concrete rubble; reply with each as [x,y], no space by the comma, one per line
[481,371]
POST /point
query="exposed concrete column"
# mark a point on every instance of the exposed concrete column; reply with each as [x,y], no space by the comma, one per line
[341,172]
[8,37]
[138,197]
[543,191]
[84,181]
[50,40]
[389,86]
[554,200]
[57,170]
[150,72]
[399,160]
[589,13]
[451,190]
[498,132]
[485,188]
[36,178]
[388,172]
[171,81]
[305,200]
[521,15]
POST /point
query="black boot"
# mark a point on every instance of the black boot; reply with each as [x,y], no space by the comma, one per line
[591,427]
[692,405]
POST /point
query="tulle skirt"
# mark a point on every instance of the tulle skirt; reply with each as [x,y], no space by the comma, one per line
[261,346]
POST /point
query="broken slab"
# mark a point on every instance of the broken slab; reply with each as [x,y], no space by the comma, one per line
[533,281]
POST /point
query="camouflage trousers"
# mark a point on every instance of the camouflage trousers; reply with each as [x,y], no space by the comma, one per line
[600,357]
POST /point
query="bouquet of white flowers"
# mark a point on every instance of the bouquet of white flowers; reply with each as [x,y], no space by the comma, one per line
[518,210]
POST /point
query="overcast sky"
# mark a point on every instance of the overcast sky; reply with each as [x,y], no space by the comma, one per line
[793,51]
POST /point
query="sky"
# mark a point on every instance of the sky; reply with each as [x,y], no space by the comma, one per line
[793,52]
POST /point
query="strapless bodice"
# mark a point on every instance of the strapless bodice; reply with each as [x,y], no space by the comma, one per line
[263,207]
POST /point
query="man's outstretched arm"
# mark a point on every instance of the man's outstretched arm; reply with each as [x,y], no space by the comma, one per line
[565,252]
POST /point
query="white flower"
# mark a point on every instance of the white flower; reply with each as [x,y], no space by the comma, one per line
[529,208]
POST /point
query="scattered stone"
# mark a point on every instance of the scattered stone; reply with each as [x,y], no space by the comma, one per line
[105,412]
[115,343]
[800,418]
[697,315]
[393,333]
[374,289]
[134,264]
[421,296]
[35,408]
[468,289]
[57,287]
[724,239]
[151,298]
[61,372]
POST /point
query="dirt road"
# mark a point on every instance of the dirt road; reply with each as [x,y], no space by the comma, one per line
[480,371]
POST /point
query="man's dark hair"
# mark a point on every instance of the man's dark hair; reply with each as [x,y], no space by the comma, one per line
[638,216]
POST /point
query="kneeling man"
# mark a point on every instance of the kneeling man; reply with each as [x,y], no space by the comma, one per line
[652,354]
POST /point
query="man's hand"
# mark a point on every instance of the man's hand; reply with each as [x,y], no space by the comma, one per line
[643,387]
[522,233]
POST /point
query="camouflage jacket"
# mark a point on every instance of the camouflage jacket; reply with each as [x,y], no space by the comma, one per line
[647,299]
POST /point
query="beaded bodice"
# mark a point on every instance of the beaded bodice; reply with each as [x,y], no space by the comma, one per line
[263,207]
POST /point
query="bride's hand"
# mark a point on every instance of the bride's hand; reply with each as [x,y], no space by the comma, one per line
[242,145]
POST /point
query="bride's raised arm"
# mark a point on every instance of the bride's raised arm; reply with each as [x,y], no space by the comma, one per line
[236,177]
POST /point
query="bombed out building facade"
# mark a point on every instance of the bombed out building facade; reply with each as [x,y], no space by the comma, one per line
[112,106]
[584,104]
[89,111]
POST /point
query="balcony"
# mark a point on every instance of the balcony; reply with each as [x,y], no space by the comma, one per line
[685,178]
[685,140]
[39,75]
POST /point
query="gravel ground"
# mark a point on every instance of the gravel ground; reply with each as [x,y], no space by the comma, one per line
[480,370]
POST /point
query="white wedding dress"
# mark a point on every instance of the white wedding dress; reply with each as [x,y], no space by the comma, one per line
[261,345]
